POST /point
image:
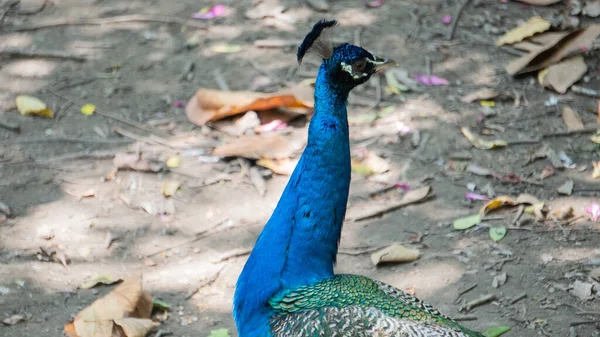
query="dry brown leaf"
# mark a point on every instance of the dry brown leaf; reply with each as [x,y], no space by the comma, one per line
[14,319]
[533,26]
[572,119]
[97,320]
[29,105]
[562,213]
[562,75]
[370,164]
[280,166]
[274,146]
[547,172]
[481,94]
[519,65]
[596,171]
[557,49]
[395,253]
[210,104]
[483,144]
[496,203]
[540,2]
[135,327]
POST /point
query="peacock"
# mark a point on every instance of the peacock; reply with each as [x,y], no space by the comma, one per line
[287,287]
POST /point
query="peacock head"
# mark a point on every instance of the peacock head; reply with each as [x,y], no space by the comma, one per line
[346,64]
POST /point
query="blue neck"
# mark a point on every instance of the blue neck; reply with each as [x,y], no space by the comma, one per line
[298,245]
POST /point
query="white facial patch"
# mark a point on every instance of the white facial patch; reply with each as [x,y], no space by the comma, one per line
[348,68]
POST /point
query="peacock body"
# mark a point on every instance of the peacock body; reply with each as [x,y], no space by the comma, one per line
[287,287]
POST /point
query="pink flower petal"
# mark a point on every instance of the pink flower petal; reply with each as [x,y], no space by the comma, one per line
[271,126]
[475,196]
[212,13]
[404,186]
[594,211]
[179,104]
[447,19]
[430,80]
[375,3]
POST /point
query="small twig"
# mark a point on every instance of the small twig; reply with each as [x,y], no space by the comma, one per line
[465,318]
[76,83]
[587,313]
[480,301]
[520,211]
[359,251]
[152,139]
[206,283]
[199,236]
[78,155]
[233,254]
[390,208]
[456,18]
[584,322]
[464,291]
[41,53]
[221,82]
[518,298]
[188,71]
[110,20]
[28,140]
[585,91]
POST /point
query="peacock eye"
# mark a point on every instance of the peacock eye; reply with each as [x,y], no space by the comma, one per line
[359,66]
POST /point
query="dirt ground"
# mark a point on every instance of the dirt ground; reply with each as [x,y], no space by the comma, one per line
[133,72]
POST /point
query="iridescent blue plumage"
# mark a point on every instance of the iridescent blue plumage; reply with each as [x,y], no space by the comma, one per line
[287,287]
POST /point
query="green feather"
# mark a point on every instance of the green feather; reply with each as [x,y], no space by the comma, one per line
[367,302]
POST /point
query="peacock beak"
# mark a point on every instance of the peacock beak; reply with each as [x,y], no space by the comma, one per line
[382,63]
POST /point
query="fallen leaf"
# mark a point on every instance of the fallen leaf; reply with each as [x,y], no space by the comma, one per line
[125,301]
[274,146]
[499,280]
[595,138]
[170,187]
[394,253]
[482,143]
[134,161]
[562,75]
[257,180]
[88,109]
[14,319]
[210,104]
[562,213]
[210,13]
[411,197]
[582,290]
[499,330]
[478,170]
[496,203]
[537,210]
[489,104]
[594,211]
[466,222]
[370,164]
[219,333]
[98,279]
[533,26]
[481,94]
[393,86]
[497,233]
[280,166]
[173,162]
[135,327]
[430,80]
[29,105]
[561,45]
[566,188]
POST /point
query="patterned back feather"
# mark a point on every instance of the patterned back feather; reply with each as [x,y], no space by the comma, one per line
[351,305]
